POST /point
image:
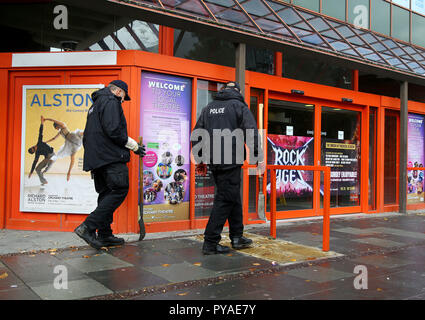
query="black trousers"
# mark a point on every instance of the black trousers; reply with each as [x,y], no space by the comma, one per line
[111,183]
[227,206]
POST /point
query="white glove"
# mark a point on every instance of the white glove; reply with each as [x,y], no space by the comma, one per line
[132,144]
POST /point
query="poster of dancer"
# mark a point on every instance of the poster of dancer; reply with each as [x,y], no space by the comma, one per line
[165,127]
[53,121]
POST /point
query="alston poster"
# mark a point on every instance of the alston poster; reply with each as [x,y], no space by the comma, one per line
[53,122]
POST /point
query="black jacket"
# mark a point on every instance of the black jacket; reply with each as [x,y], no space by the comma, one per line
[105,134]
[43,149]
[228,111]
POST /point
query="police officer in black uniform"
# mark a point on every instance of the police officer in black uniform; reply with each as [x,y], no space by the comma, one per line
[227,111]
[106,152]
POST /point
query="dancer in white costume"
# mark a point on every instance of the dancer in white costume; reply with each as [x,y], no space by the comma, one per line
[73,143]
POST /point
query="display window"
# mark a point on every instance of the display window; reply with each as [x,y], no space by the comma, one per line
[204,182]
[340,150]
[290,142]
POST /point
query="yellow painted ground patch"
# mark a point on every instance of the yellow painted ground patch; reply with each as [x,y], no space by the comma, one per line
[278,251]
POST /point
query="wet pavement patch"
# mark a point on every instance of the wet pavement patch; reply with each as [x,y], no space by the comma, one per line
[76,289]
[277,251]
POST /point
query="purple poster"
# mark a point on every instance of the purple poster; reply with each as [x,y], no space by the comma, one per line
[415,158]
[165,127]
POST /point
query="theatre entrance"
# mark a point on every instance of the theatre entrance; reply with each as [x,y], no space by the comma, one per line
[307,132]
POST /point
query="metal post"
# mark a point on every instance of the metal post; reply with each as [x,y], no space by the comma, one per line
[240,64]
[326,208]
[273,203]
[403,147]
[240,61]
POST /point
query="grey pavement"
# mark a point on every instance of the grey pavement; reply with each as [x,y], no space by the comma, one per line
[170,266]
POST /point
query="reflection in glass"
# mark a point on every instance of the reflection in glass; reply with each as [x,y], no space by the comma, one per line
[372,158]
[303,67]
[418,30]
[204,182]
[334,8]
[390,158]
[290,142]
[400,24]
[308,4]
[341,151]
[380,21]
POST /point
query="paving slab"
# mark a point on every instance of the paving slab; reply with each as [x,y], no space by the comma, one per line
[391,247]
[379,242]
[97,262]
[77,289]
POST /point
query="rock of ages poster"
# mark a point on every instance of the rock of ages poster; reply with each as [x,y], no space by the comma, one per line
[294,151]
[53,122]
[415,158]
[165,127]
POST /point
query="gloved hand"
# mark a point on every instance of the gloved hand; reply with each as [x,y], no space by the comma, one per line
[141,151]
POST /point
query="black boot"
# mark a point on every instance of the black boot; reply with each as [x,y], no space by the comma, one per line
[110,241]
[241,243]
[214,249]
[90,237]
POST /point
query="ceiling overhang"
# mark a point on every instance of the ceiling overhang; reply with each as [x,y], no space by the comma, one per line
[283,27]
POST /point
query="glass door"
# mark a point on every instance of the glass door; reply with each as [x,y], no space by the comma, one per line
[340,150]
[391,157]
[290,141]
[308,132]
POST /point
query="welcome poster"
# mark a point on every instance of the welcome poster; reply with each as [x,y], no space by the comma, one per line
[415,158]
[52,176]
[165,127]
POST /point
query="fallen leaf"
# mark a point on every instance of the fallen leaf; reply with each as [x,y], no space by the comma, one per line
[312,258]
[293,260]
[197,264]
[165,265]
[256,264]
[379,289]
[4,275]
[182,294]
[86,257]
[53,250]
